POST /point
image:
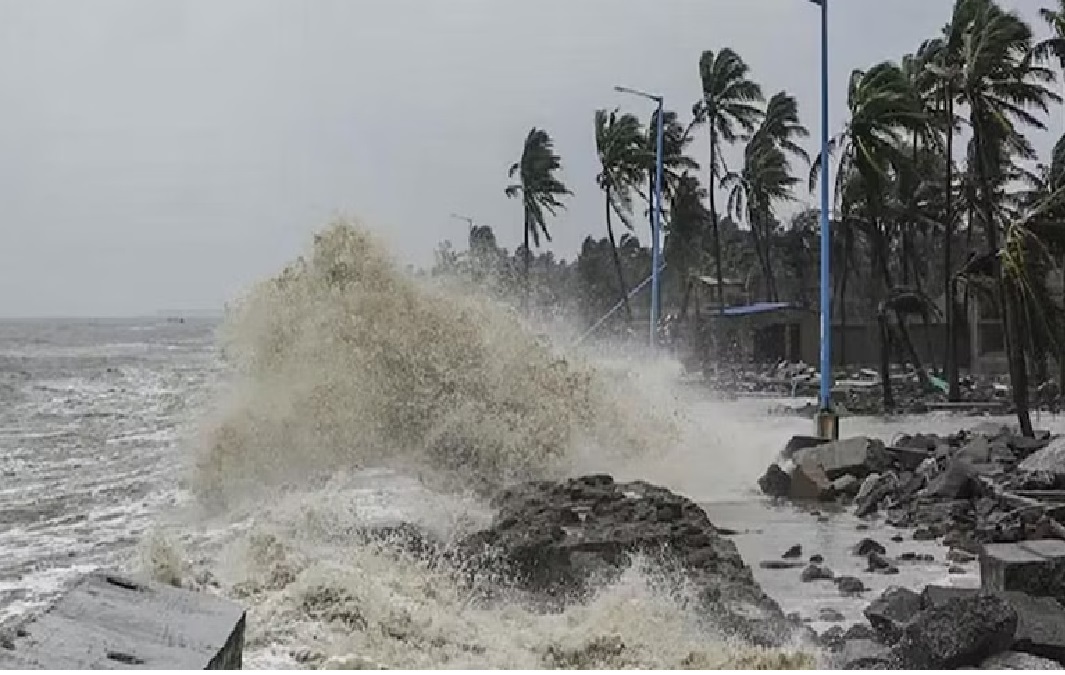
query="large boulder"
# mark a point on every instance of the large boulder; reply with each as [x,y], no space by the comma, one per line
[558,540]
[892,612]
[776,482]
[809,482]
[857,457]
[1050,459]
[959,633]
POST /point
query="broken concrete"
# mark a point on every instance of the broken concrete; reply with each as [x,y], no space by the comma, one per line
[962,632]
[110,622]
[892,612]
[1034,567]
[857,457]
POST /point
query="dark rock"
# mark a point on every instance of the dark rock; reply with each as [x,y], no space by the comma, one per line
[877,562]
[776,482]
[859,654]
[860,631]
[779,564]
[1023,447]
[832,639]
[817,558]
[977,451]
[909,458]
[847,485]
[808,481]
[954,569]
[1035,567]
[956,556]
[816,573]
[405,537]
[830,615]
[793,552]
[927,533]
[1019,661]
[559,540]
[854,456]
[910,556]
[867,546]
[892,611]
[958,481]
[861,527]
[1040,625]
[962,542]
[935,596]
[898,539]
[850,585]
[872,493]
[962,632]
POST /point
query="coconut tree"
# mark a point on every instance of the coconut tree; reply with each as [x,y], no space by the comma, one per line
[619,145]
[1054,46]
[539,188]
[729,107]
[689,221]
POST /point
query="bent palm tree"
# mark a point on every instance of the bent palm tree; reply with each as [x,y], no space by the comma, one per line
[538,188]
[618,142]
[729,108]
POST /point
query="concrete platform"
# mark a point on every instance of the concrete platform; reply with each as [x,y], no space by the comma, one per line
[110,622]
[1034,567]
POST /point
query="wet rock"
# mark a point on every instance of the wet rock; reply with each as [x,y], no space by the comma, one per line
[957,556]
[977,451]
[1019,661]
[892,612]
[927,533]
[850,585]
[1036,567]
[860,631]
[1050,459]
[797,443]
[936,596]
[878,563]
[830,615]
[847,485]
[854,456]
[898,539]
[962,632]
[863,655]
[559,540]
[962,541]
[958,481]
[779,564]
[867,546]
[1040,625]
[809,482]
[954,569]
[870,495]
[910,556]
[405,537]
[816,573]
[793,552]
[861,527]
[832,639]
[776,482]
[817,558]
[1023,447]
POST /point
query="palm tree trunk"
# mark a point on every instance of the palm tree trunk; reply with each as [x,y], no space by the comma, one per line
[713,219]
[1015,354]
[842,303]
[761,257]
[951,360]
[528,260]
[885,360]
[617,259]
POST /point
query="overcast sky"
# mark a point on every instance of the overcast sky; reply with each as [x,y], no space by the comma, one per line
[167,153]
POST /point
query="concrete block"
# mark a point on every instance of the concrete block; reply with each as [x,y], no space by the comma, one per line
[110,622]
[1034,567]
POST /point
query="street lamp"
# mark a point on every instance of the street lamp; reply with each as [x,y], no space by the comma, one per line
[827,421]
[656,209]
[467,219]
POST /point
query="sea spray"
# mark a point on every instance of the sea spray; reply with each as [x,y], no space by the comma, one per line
[344,361]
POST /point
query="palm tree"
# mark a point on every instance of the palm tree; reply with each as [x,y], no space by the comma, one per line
[729,108]
[675,160]
[619,144]
[1054,46]
[539,189]
[684,236]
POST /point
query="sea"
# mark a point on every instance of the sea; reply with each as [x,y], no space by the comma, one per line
[241,457]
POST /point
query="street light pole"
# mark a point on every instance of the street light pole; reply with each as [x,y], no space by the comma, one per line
[827,421]
[656,210]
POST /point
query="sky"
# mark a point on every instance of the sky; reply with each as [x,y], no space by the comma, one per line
[165,155]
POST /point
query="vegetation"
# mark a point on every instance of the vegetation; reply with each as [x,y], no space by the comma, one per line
[940,198]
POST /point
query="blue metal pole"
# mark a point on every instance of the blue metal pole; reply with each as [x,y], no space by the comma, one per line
[826,301]
[656,226]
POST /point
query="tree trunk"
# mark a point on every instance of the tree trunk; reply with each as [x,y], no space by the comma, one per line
[760,252]
[885,360]
[713,214]
[842,302]
[528,261]
[617,258]
[951,360]
[1014,342]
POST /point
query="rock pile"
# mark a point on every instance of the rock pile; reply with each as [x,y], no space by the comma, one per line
[560,539]
[980,486]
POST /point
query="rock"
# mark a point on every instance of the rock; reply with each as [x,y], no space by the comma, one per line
[1040,625]
[1035,567]
[910,556]
[559,540]
[404,536]
[816,573]
[779,564]
[977,451]
[877,562]
[830,615]
[817,558]
[955,569]
[958,481]
[797,443]
[936,596]
[808,481]
[776,482]
[892,611]
[898,539]
[861,527]
[846,485]
[962,632]
[1018,661]
[1050,459]
[850,585]
[867,546]
[793,552]
[962,542]
[870,496]
[860,631]
[832,639]
[956,556]
[927,533]
[861,654]
[855,456]
[1024,447]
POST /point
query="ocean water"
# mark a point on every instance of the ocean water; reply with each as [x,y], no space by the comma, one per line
[243,459]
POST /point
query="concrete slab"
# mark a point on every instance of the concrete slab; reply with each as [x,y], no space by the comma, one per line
[110,622]
[1034,567]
